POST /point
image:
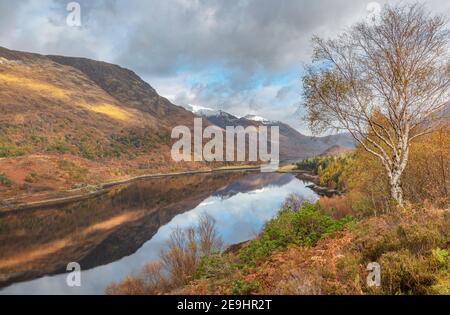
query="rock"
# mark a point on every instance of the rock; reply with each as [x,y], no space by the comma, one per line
[5,61]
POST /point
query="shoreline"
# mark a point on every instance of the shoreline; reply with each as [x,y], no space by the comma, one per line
[100,189]
[316,187]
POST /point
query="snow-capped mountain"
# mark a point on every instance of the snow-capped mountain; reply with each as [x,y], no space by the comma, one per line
[293,144]
[202,111]
[256,118]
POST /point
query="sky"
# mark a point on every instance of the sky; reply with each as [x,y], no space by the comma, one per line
[240,56]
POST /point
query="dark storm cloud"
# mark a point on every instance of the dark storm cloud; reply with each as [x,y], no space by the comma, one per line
[216,53]
[157,37]
[246,35]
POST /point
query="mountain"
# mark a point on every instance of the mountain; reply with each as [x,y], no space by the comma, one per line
[341,139]
[68,122]
[256,118]
[293,144]
[336,150]
[65,120]
[202,111]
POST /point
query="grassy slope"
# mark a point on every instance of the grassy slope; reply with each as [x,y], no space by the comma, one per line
[65,121]
[411,249]
[411,245]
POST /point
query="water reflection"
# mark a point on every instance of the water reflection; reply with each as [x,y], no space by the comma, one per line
[240,204]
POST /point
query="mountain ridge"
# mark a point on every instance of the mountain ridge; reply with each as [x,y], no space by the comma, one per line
[293,144]
[68,122]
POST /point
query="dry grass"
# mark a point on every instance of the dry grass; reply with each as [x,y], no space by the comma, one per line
[55,110]
[337,206]
[33,85]
[109,110]
[178,261]
[412,249]
[287,168]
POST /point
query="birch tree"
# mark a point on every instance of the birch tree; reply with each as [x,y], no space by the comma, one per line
[385,81]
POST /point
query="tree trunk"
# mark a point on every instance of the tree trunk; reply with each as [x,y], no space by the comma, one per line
[396,188]
[395,175]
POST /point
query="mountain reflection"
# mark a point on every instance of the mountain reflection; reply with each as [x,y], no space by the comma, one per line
[117,233]
[253,182]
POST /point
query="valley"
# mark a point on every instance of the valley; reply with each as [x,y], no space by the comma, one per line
[73,123]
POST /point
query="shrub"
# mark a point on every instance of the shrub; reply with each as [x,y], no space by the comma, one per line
[418,238]
[130,286]
[301,282]
[75,172]
[11,151]
[410,248]
[293,202]
[418,234]
[440,257]
[332,170]
[215,266]
[180,261]
[241,287]
[311,224]
[31,178]
[304,227]
[5,181]
[339,206]
[86,151]
[404,273]
[59,147]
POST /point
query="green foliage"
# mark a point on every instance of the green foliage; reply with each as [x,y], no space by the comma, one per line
[330,169]
[303,227]
[86,151]
[418,238]
[59,147]
[137,140]
[11,151]
[214,265]
[76,173]
[4,180]
[404,273]
[373,241]
[412,251]
[241,287]
[312,164]
[440,257]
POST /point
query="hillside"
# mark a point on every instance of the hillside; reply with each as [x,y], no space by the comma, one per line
[336,150]
[67,123]
[69,120]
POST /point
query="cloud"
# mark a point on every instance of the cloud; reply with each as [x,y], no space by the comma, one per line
[242,56]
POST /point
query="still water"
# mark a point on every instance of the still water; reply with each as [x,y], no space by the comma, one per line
[116,234]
